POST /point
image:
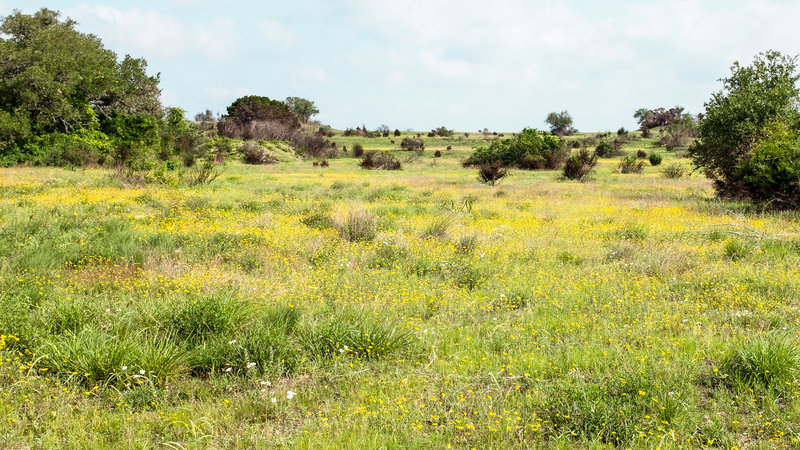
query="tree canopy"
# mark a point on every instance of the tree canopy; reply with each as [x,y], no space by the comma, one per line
[301,107]
[747,138]
[560,123]
[55,79]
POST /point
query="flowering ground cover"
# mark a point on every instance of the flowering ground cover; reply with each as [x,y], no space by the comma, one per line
[291,305]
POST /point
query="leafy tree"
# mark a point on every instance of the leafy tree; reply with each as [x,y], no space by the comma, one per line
[54,79]
[254,108]
[303,108]
[745,133]
[560,123]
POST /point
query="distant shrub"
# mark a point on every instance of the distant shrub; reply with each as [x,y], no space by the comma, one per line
[622,131]
[530,149]
[641,154]
[629,164]
[491,173]
[580,166]
[255,154]
[379,160]
[396,132]
[324,163]
[325,131]
[605,150]
[449,147]
[673,170]
[437,154]
[358,150]
[655,159]
[412,144]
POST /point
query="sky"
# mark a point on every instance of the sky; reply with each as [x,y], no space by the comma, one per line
[420,64]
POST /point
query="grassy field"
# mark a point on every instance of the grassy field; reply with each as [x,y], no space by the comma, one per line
[297,306]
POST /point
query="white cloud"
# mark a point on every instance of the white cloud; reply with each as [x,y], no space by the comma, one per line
[275,33]
[157,34]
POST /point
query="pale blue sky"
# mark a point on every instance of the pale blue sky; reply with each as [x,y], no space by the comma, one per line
[464,64]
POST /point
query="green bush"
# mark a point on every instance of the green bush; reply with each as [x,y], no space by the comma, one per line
[200,319]
[655,159]
[491,173]
[771,175]
[529,149]
[580,166]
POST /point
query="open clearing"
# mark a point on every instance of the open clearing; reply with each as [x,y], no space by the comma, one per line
[338,307]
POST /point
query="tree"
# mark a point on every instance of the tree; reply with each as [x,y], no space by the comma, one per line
[529,149]
[560,123]
[758,104]
[56,80]
[256,117]
[303,108]
[651,118]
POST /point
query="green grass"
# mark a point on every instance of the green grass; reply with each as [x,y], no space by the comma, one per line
[290,305]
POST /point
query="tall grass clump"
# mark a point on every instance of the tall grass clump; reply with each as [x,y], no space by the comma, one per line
[196,320]
[769,360]
[673,171]
[358,226]
[90,357]
[356,336]
[629,164]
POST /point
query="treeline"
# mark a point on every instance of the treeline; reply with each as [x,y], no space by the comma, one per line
[65,100]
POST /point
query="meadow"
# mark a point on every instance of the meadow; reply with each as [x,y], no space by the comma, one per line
[290,305]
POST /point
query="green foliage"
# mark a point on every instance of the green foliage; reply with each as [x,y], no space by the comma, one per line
[580,166]
[655,158]
[560,123]
[754,99]
[605,150]
[253,108]
[204,318]
[629,164]
[529,149]
[771,175]
[410,143]
[302,108]
[769,361]
[56,80]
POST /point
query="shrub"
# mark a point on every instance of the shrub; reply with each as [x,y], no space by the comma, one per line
[641,154]
[580,166]
[324,163]
[255,154]
[437,154]
[359,226]
[491,173]
[655,159]
[629,164]
[412,144]
[769,361]
[379,160]
[673,170]
[358,150]
[771,175]
[605,150]
[396,132]
[529,149]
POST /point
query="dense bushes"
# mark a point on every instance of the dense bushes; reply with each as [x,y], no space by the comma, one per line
[410,143]
[748,137]
[530,149]
[379,160]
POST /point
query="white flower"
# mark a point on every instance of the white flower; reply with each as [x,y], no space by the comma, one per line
[290,395]
[228,369]
[274,400]
[141,372]
[124,367]
[250,365]
[232,342]
[266,383]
